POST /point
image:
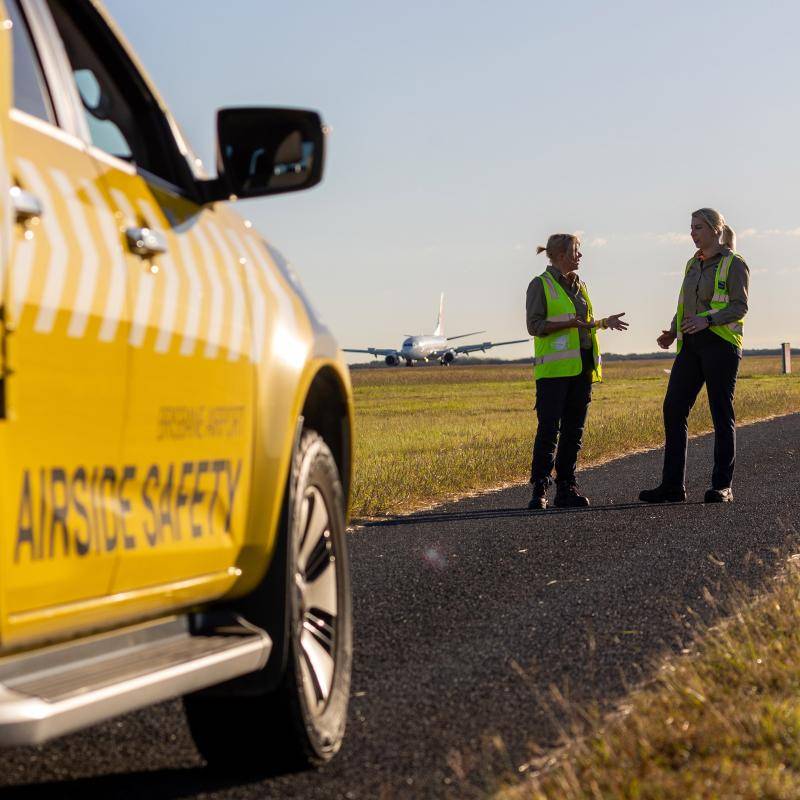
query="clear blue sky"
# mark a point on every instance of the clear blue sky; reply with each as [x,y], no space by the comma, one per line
[464,133]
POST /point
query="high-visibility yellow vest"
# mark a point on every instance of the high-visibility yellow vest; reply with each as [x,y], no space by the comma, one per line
[731,331]
[558,355]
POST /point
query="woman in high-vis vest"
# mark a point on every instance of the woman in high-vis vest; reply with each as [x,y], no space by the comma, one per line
[566,363]
[708,327]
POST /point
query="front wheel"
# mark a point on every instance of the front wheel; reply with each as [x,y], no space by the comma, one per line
[302,722]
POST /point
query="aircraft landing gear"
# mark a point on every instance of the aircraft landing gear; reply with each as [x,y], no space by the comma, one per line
[409,362]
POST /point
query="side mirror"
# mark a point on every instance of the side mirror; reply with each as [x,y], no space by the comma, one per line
[263,151]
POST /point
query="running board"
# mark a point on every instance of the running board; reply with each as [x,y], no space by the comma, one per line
[66,687]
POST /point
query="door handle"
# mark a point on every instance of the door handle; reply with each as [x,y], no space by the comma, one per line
[26,205]
[146,242]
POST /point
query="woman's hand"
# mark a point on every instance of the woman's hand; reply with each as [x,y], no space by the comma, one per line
[616,323]
[694,324]
[666,339]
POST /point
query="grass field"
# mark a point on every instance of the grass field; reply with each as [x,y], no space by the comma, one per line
[426,434]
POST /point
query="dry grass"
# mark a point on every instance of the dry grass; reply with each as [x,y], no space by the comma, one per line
[423,435]
[720,722]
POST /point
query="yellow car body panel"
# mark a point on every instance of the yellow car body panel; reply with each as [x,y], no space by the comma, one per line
[152,400]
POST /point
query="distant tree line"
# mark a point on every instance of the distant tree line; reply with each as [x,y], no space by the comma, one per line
[473,360]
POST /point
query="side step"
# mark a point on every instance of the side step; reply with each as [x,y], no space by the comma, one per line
[66,687]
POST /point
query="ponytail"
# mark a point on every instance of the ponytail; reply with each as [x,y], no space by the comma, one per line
[728,237]
[540,249]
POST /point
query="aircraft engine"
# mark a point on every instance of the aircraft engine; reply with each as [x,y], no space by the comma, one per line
[448,358]
[392,361]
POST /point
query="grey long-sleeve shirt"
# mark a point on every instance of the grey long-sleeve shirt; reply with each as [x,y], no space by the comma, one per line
[698,289]
[536,305]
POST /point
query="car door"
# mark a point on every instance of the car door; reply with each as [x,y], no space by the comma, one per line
[65,373]
[187,448]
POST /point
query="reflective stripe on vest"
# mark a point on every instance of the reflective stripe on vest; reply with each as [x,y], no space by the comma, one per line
[560,356]
[550,285]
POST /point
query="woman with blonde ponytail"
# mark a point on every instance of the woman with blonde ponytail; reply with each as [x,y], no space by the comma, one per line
[566,363]
[708,327]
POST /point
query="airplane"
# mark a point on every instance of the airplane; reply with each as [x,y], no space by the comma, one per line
[431,346]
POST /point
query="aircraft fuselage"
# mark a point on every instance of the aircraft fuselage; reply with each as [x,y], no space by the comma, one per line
[421,348]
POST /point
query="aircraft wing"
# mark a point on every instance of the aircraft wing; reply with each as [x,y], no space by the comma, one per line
[373,351]
[484,346]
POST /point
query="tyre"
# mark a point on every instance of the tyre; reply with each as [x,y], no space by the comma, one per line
[300,723]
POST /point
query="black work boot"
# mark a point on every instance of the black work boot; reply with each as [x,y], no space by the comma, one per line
[663,494]
[719,496]
[538,499]
[568,496]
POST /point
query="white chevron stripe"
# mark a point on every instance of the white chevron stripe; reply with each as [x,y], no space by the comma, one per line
[89,262]
[56,274]
[194,302]
[230,266]
[115,299]
[146,284]
[171,284]
[141,309]
[214,333]
[285,307]
[258,304]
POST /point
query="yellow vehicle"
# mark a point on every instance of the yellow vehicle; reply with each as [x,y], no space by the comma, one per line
[175,421]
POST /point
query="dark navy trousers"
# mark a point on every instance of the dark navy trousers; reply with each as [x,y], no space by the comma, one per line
[704,358]
[561,408]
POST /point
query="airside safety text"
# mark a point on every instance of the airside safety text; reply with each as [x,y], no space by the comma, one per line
[89,510]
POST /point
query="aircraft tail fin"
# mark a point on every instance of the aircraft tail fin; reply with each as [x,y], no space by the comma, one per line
[440,319]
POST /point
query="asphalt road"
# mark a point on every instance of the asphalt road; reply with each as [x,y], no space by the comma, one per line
[466,616]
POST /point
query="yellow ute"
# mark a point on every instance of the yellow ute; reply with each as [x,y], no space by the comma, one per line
[174,419]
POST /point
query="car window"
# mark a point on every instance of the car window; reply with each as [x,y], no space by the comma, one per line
[30,90]
[105,133]
[123,118]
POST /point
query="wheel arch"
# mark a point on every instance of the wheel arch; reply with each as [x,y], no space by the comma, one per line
[326,409]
